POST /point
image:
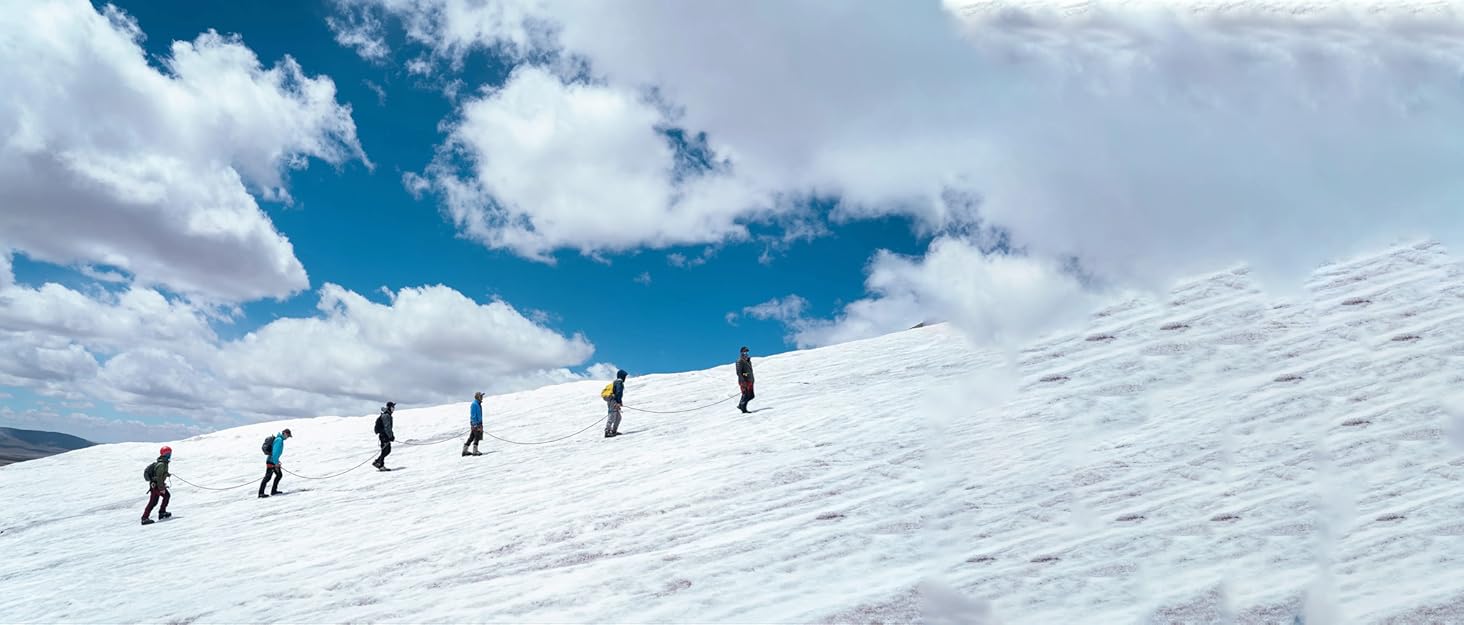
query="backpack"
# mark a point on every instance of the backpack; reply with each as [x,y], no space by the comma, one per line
[608,392]
[150,471]
[268,447]
[378,424]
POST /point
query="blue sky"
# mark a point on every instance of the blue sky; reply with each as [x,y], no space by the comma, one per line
[361,228]
[330,204]
[364,230]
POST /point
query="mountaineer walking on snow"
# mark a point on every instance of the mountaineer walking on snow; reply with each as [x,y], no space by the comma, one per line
[614,394]
[475,425]
[384,435]
[157,486]
[744,379]
[273,447]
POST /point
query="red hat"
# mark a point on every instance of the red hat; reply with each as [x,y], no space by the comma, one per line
[165,451]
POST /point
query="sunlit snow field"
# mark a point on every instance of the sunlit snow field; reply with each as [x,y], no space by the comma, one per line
[1220,455]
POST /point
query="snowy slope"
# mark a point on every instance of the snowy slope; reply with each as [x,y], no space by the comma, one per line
[1217,457]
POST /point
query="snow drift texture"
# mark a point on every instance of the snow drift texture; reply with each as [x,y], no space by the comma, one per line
[1219,456]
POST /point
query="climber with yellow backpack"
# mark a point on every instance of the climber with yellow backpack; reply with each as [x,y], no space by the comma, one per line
[613,395]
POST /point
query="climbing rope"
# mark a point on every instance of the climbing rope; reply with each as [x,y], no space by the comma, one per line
[430,443]
[457,436]
[552,440]
[720,401]
[180,479]
[326,477]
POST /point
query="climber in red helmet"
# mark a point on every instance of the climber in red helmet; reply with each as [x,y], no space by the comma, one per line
[156,475]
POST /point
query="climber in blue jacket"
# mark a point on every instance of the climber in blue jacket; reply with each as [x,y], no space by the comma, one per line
[475,425]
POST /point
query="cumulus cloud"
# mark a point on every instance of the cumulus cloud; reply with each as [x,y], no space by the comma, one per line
[157,182]
[1148,140]
[108,322]
[428,344]
[147,353]
[540,164]
[993,298]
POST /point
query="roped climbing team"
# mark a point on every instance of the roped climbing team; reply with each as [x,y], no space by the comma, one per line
[157,474]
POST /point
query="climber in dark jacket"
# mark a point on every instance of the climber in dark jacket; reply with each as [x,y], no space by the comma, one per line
[744,379]
[613,402]
[384,435]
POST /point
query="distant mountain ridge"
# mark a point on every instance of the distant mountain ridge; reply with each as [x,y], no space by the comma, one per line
[21,445]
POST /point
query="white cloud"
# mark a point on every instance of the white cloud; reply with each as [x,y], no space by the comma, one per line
[677,259]
[7,273]
[552,165]
[96,428]
[157,181]
[361,32]
[1148,140]
[992,298]
[429,344]
[107,322]
[780,309]
[449,28]
[644,278]
[47,364]
[146,353]
[378,90]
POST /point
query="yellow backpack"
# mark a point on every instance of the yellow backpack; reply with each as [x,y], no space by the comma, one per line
[609,390]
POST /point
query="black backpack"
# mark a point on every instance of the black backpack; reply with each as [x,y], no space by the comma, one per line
[268,446]
[150,471]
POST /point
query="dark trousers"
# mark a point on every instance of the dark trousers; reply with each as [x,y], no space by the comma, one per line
[385,451]
[747,393]
[156,494]
[475,436]
[270,469]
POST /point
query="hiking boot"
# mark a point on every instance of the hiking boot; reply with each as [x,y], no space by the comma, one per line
[147,521]
[276,492]
[262,495]
[465,452]
[165,515]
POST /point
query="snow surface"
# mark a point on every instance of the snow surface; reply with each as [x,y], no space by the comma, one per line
[1222,456]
